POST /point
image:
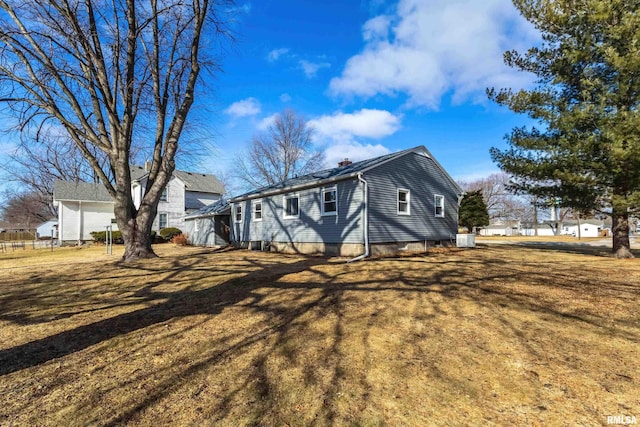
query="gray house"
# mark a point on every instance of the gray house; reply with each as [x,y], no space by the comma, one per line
[209,226]
[400,201]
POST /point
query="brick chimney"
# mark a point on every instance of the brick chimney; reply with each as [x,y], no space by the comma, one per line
[345,162]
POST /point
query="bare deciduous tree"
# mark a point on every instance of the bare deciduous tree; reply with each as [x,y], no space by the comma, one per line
[109,74]
[26,209]
[500,202]
[38,162]
[283,151]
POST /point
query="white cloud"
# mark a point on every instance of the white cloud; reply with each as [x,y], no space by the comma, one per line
[311,68]
[285,97]
[246,107]
[266,122]
[339,134]
[365,123]
[429,48]
[275,54]
[352,150]
[376,28]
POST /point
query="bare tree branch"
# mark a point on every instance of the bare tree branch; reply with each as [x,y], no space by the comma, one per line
[105,71]
[284,151]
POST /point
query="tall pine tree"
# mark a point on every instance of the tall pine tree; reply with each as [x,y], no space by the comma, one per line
[585,148]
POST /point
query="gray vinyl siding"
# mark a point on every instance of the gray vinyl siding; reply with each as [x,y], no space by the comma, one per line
[197,200]
[311,226]
[424,179]
[209,231]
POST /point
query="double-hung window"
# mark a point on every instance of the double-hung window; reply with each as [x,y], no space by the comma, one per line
[163,195]
[404,202]
[330,201]
[257,211]
[439,206]
[162,221]
[292,206]
[237,213]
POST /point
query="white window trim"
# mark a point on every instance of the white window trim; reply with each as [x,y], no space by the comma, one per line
[166,222]
[235,213]
[322,201]
[284,206]
[164,196]
[435,205]
[408,212]
[253,211]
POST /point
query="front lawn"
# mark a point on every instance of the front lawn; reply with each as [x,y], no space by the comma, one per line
[500,335]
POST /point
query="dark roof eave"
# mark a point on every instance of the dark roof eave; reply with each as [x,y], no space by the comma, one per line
[295,187]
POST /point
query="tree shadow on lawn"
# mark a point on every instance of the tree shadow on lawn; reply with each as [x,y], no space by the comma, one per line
[252,290]
[165,306]
[576,248]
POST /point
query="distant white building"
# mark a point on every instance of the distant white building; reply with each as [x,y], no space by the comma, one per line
[544,229]
[47,229]
[501,228]
[588,228]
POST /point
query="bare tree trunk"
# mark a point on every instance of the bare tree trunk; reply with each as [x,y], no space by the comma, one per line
[137,244]
[621,244]
[579,226]
[535,215]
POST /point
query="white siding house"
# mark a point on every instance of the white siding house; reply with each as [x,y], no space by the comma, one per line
[82,208]
[85,207]
[47,228]
[588,228]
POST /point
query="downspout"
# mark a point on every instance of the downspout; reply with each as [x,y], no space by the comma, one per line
[365,221]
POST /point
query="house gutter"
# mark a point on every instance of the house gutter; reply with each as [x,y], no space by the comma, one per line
[365,221]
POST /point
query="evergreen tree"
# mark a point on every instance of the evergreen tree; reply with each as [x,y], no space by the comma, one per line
[585,148]
[473,211]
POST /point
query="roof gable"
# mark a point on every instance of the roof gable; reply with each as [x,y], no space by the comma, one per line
[338,174]
[84,191]
[193,181]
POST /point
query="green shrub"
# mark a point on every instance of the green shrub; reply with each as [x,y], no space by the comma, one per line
[101,236]
[169,232]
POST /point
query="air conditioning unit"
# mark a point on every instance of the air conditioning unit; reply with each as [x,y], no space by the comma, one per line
[465,240]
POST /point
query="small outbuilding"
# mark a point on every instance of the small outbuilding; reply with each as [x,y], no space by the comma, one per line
[209,226]
[48,229]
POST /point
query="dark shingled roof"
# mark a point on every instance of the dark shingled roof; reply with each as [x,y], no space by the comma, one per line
[65,190]
[332,175]
[221,207]
[193,181]
[85,191]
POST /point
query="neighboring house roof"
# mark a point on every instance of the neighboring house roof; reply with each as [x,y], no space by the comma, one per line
[221,207]
[337,174]
[200,182]
[571,222]
[85,191]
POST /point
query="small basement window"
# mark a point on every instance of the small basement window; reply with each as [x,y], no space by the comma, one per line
[292,206]
[439,206]
[404,200]
[329,201]
[257,211]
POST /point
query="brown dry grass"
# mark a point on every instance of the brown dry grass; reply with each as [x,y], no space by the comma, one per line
[493,336]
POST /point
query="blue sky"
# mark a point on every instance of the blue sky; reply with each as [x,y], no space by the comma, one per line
[371,76]
[374,77]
